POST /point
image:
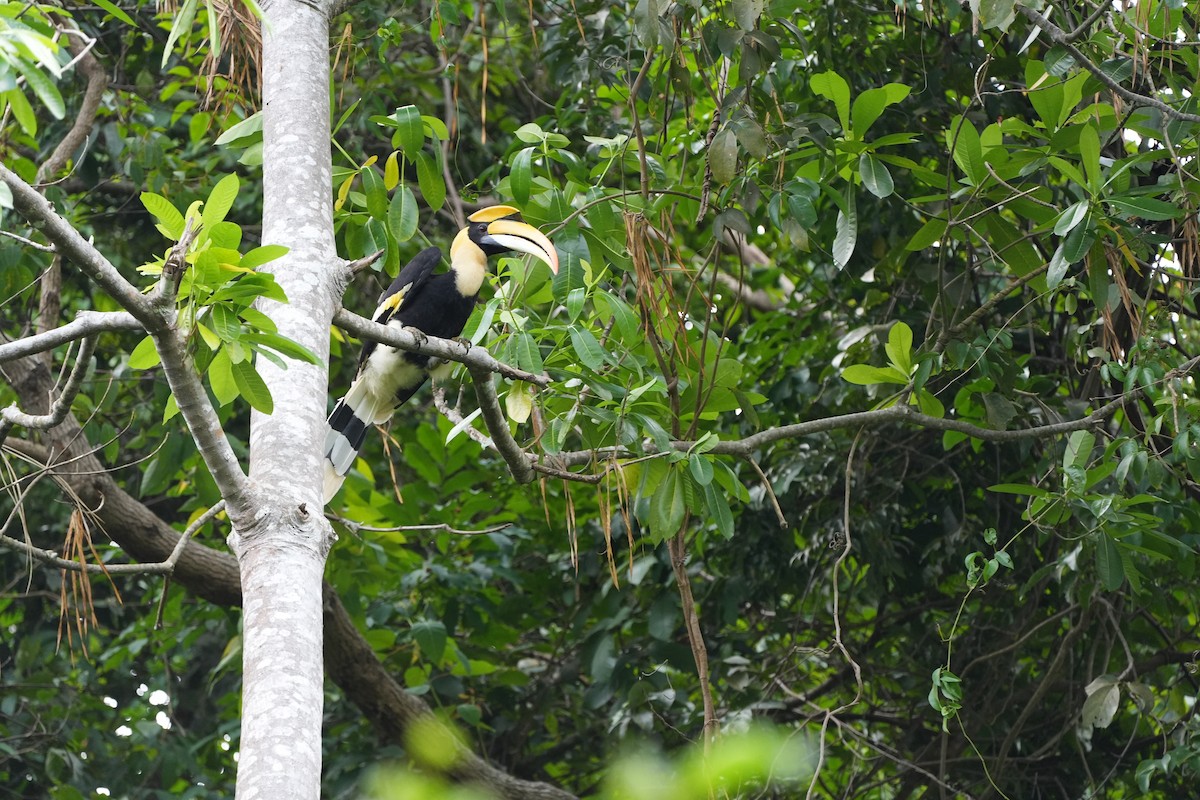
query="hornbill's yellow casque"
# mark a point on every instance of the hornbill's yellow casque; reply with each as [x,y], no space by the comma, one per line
[438,305]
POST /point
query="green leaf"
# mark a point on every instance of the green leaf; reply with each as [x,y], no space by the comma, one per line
[431,181]
[249,130]
[833,87]
[968,150]
[667,506]
[409,131]
[847,233]
[22,110]
[170,221]
[929,233]
[1089,153]
[145,355]
[866,375]
[430,636]
[402,214]
[1144,207]
[283,345]
[182,25]
[701,469]
[262,255]
[1071,217]
[529,357]
[1057,268]
[722,156]
[225,323]
[587,348]
[995,13]
[747,12]
[375,193]
[252,387]
[391,171]
[718,509]
[1108,562]
[220,378]
[899,347]
[875,176]
[521,175]
[113,9]
[46,91]
[871,103]
[1079,449]
[220,200]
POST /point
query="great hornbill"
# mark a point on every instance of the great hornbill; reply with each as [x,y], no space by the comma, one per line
[438,305]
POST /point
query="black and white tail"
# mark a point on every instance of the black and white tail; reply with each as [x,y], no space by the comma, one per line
[352,416]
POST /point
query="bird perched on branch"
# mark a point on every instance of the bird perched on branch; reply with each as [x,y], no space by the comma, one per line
[437,305]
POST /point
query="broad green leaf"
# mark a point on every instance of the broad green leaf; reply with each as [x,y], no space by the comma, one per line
[875,176]
[747,12]
[262,255]
[252,387]
[521,175]
[530,133]
[968,150]
[145,355]
[929,233]
[225,323]
[22,110]
[517,403]
[211,339]
[871,103]
[170,221]
[1108,562]
[899,347]
[587,348]
[1079,241]
[1057,268]
[402,214]
[220,200]
[283,345]
[391,171]
[116,11]
[866,375]
[181,26]
[430,636]
[1072,216]
[667,506]
[994,13]
[722,156]
[1089,154]
[1144,207]
[529,357]
[249,130]
[847,233]
[409,131]
[1079,449]
[375,192]
[833,87]
[701,469]
[431,181]
[46,91]
[220,378]
[1019,488]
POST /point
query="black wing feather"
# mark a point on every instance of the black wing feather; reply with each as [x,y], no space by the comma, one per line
[411,281]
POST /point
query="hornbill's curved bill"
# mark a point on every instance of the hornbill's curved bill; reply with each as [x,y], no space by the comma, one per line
[438,305]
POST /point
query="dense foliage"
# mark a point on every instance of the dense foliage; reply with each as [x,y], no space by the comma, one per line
[769,214]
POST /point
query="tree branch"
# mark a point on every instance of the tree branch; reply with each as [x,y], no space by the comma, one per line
[1061,37]
[204,424]
[58,409]
[86,323]
[67,241]
[497,424]
[97,83]
[414,341]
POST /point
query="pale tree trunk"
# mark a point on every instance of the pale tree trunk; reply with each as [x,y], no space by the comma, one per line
[282,553]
